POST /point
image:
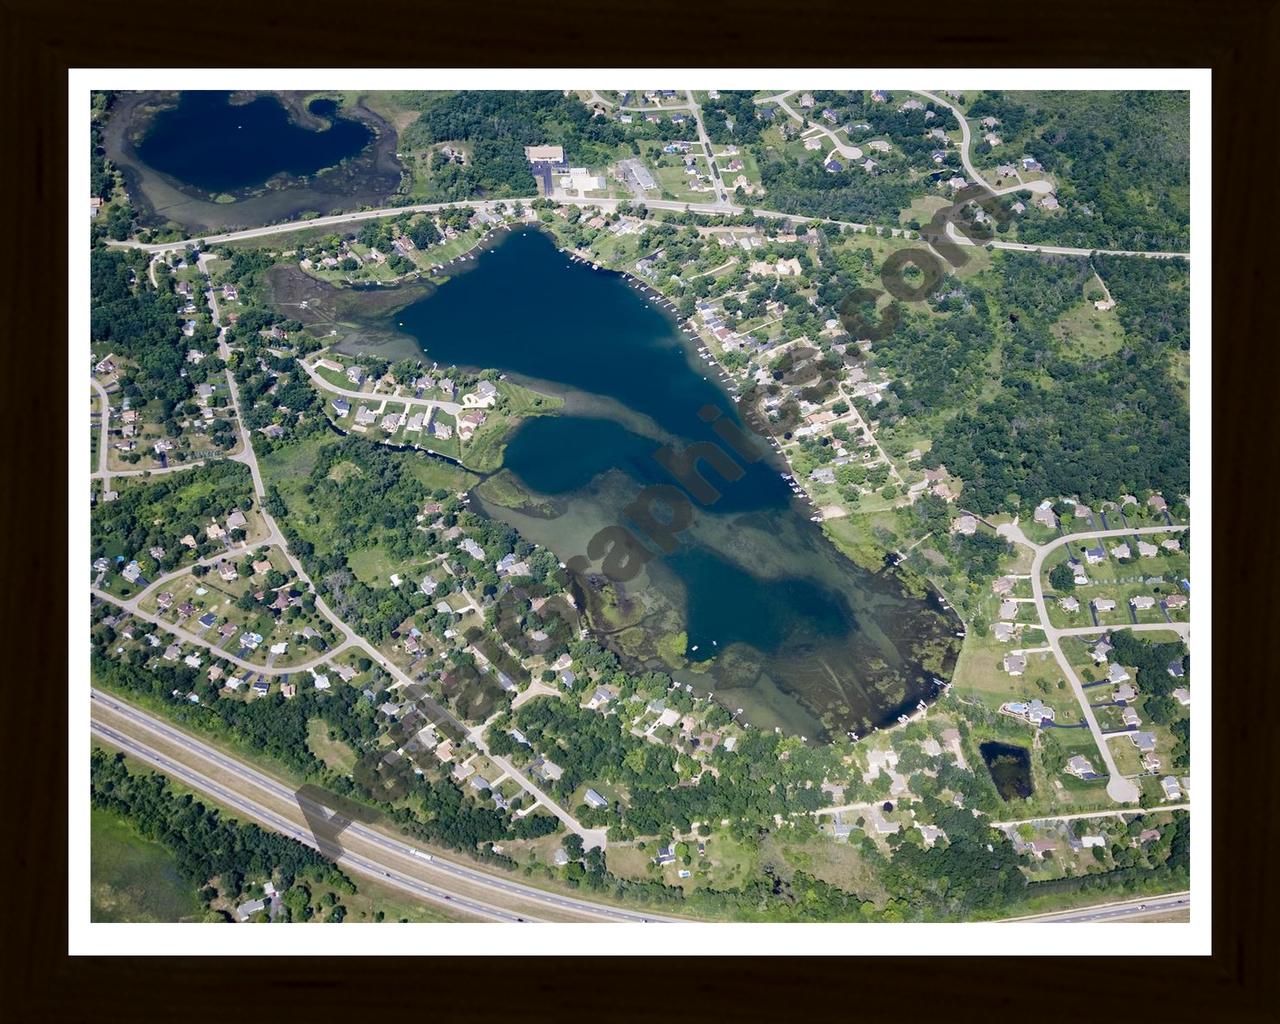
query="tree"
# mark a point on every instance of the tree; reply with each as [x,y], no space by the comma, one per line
[1062,578]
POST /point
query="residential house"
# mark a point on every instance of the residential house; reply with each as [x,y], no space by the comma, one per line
[1081,767]
[600,698]
[1144,741]
[1141,602]
[1104,604]
[1070,604]
[1035,711]
[1170,786]
[1045,515]
[1015,664]
[1117,674]
[594,799]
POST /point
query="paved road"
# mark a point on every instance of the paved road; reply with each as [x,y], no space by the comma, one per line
[1040,187]
[1079,815]
[277,823]
[590,837]
[1146,906]
[607,205]
[453,408]
[849,152]
[1183,629]
[1119,788]
[384,846]
[103,473]
[198,640]
[717,182]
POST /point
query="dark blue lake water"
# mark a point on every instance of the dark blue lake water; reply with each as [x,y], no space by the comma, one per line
[778,622]
[208,142]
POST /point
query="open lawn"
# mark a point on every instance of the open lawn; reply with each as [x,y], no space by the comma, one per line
[1087,332]
[134,879]
[979,673]
[332,751]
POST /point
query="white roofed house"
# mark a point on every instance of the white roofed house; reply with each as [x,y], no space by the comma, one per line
[1141,602]
[1104,604]
[595,800]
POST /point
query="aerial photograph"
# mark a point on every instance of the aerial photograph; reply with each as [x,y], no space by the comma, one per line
[636,506]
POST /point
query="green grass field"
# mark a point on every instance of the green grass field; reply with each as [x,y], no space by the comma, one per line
[134,879]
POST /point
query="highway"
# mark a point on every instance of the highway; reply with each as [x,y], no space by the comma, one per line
[277,823]
[1143,906]
[385,856]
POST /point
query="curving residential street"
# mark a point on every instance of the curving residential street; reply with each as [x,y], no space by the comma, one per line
[1039,187]
[1119,788]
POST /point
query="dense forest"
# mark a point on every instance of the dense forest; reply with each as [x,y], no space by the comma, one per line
[138,322]
[1095,426]
[156,512]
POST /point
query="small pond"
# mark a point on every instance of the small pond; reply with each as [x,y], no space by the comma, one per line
[1010,768]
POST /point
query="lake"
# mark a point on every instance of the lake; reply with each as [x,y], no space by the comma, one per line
[776,621]
[219,146]
[209,160]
